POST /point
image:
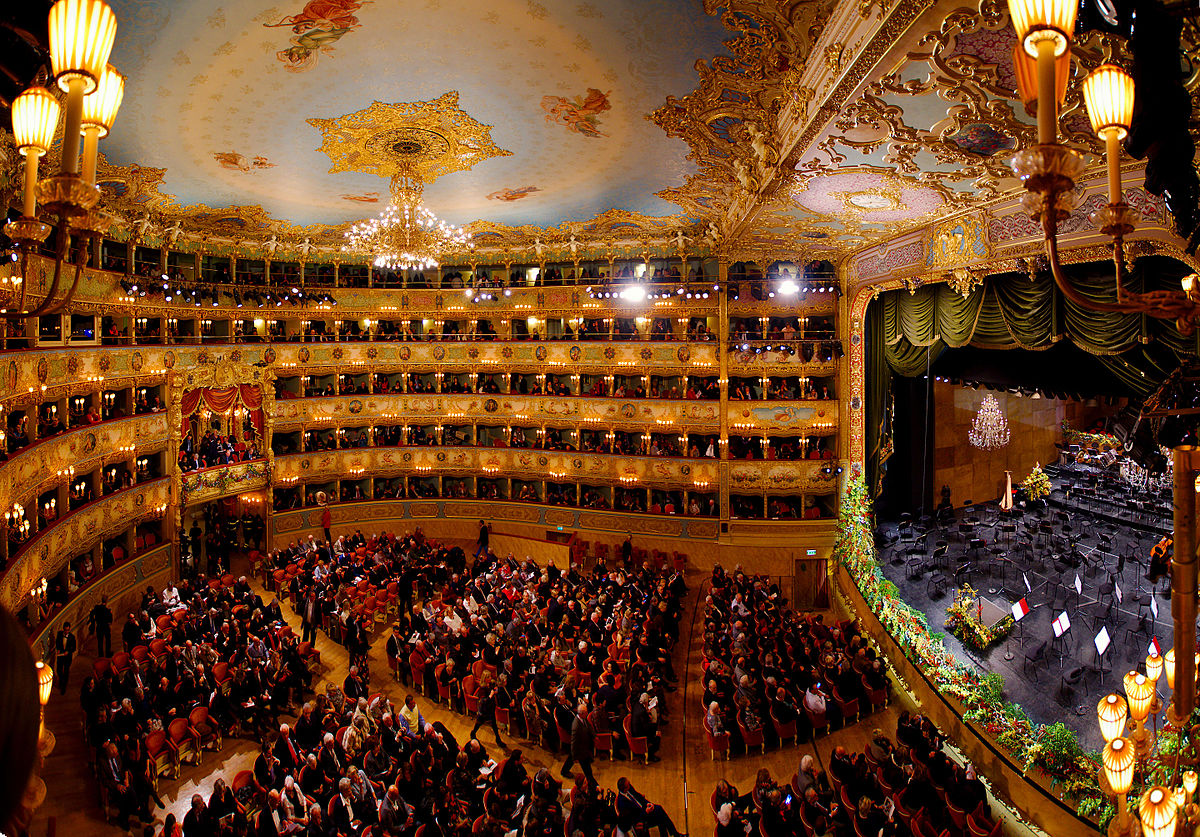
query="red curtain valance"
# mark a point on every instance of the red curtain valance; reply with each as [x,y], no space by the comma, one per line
[222,400]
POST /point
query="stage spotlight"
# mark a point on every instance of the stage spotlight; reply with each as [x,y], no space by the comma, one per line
[838,351]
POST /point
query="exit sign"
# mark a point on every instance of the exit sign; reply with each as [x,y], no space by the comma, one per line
[810,552]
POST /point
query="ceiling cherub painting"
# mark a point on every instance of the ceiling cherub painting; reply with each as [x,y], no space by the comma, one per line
[580,115]
[316,28]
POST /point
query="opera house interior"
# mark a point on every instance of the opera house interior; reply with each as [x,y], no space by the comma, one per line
[557,417]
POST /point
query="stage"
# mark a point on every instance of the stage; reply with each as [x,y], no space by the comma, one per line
[1081,551]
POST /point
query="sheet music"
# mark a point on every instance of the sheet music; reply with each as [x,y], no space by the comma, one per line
[1062,624]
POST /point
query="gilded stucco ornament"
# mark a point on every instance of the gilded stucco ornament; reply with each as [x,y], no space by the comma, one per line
[432,138]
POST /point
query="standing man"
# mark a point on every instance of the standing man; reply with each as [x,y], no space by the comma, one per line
[64,649]
[327,522]
[310,616]
[100,623]
[583,745]
[482,541]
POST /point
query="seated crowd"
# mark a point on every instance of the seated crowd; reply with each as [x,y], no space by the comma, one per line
[771,673]
[214,449]
[564,659]
[532,643]
[908,786]
[205,659]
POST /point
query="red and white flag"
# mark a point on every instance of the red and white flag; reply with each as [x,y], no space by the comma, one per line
[1020,610]
[1155,650]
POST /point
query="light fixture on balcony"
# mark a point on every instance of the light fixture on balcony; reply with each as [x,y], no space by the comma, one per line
[81,39]
[406,235]
[1048,169]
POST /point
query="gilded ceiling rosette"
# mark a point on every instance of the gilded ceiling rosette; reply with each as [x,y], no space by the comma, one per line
[431,138]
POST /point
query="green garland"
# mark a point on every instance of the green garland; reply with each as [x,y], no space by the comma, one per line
[962,620]
[1053,749]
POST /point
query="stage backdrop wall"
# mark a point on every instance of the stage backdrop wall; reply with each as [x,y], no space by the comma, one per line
[974,474]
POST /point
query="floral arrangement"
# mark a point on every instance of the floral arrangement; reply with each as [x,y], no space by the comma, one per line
[963,620]
[1053,750]
[1037,484]
[1101,441]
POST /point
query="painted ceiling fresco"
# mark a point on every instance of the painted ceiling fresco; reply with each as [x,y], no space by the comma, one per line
[806,128]
[229,100]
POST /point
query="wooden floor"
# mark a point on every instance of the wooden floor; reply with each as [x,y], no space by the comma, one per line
[681,782]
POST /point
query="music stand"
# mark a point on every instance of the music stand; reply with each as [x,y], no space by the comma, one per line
[1102,643]
[1061,625]
[1020,610]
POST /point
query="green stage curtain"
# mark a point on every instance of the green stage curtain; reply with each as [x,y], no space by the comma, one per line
[1011,310]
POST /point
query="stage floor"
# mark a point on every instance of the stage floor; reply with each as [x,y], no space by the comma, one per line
[1050,560]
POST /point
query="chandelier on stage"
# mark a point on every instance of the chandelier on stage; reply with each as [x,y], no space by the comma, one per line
[406,235]
[989,430]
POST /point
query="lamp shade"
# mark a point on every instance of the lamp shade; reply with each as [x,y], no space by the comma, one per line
[35,119]
[1043,20]
[101,105]
[1139,691]
[1157,812]
[81,37]
[1190,780]
[45,676]
[1112,713]
[1119,759]
[1154,666]
[1169,666]
[1025,66]
[1108,94]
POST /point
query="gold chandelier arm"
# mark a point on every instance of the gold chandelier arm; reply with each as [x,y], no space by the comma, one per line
[24,279]
[44,308]
[1163,305]
[70,295]
[1050,225]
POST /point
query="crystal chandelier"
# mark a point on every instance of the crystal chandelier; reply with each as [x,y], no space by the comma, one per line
[989,430]
[406,235]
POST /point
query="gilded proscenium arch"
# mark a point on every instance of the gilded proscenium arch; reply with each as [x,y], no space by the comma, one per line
[1088,251]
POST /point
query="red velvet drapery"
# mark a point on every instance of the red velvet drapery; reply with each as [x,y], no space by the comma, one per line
[224,399]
